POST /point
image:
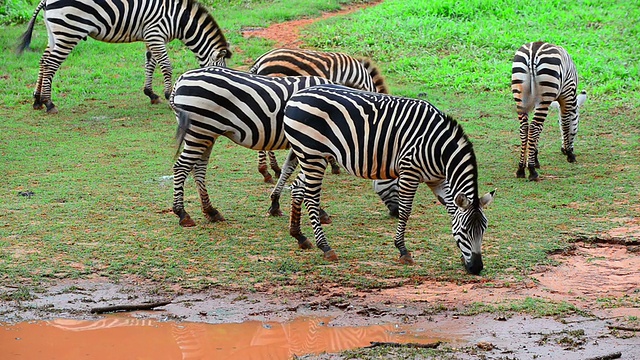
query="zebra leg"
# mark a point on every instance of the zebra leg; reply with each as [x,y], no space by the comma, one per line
[37,93]
[524,146]
[288,167]
[49,67]
[387,190]
[149,68]
[297,195]
[568,122]
[262,167]
[181,170]
[535,129]
[273,162]
[158,50]
[200,174]
[406,193]
[53,57]
[313,173]
[335,168]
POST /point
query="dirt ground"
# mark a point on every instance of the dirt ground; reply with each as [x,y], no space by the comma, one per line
[599,275]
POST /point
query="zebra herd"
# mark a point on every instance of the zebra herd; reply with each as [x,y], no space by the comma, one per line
[327,108]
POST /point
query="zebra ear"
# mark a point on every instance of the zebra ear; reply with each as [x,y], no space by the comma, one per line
[462,201]
[487,198]
[582,98]
[224,54]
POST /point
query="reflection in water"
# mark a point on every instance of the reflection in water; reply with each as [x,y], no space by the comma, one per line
[117,337]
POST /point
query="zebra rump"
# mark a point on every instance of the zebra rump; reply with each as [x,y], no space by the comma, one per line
[339,68]
[156,22]
[377,136]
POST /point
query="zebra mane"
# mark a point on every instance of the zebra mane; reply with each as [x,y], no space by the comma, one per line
[457,132]
[204,12]
[378,79]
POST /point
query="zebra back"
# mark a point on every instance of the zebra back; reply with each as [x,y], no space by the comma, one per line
[123,21]
[379,136]
[337,67]
[246,108]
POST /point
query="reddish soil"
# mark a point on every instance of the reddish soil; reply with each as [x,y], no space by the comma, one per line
[287,34]
[599,275]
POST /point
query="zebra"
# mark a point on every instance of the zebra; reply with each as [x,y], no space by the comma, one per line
[215,101]
[339,68]
[378,136]
[156,22]
[544,75]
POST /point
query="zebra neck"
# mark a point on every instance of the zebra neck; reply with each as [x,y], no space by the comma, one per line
[200,32]
[460,168]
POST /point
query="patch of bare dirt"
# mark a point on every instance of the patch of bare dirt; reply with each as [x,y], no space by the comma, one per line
[599,278]
[287,34]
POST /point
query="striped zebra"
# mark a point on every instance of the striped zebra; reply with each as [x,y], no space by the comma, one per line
[156,22]
[215,101]
[377,136]
[339,68]
[543,75]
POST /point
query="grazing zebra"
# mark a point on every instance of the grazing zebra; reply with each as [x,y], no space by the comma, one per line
[543,74]
[216,101]
[337,67]
[378,136]
[156,22]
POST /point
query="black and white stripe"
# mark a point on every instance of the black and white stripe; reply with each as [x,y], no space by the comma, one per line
[215,101]
[376,136]
[340,68]
[543,74]
[156,22]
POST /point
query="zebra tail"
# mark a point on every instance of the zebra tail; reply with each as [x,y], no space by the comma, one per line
[184,122]
[25,39]
[529,91]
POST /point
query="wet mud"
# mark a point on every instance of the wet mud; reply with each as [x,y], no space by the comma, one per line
[599,279]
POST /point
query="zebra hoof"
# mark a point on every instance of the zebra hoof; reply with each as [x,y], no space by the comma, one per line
[269,179]
[324,217]
[305,245]
[406,259]
[330,255]
[520,173]
[274,212]
[570,157]
[52,110]
[214,215]
[156,100]
[187,222]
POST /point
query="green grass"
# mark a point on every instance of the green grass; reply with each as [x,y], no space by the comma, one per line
[101,206]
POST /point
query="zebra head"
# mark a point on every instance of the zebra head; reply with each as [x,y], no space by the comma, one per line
[468,226]
[217,58]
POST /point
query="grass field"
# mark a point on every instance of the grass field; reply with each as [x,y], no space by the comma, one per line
[100,202]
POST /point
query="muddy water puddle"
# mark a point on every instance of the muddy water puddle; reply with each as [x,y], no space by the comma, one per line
[125,337]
